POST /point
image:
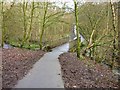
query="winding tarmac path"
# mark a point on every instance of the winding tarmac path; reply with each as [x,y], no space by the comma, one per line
[46,73]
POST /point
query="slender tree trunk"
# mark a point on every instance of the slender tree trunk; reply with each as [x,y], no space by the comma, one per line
[43,23]
[114,29]
[78,33]
[3,26]
[25,25]
[119,33]
[108,17]
[31,22]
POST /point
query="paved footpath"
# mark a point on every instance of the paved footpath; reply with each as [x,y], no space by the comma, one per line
[46,73]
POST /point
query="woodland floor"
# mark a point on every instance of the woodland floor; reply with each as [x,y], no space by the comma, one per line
[75,73]
[85,73]
[16,64]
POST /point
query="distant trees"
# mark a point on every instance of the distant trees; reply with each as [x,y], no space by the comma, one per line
[37,23]
[3,10]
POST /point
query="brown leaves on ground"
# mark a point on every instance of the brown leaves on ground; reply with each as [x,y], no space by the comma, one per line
[85,73]
[16,64]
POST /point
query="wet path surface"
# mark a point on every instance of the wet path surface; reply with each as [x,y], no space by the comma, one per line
[46,73]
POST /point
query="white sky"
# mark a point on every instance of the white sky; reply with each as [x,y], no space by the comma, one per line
[70,1]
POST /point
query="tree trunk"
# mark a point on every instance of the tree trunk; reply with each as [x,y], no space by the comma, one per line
[78,33]
[119,33]
[31,22]
[114,31]
[25,24]
[3,29]
[43,23]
